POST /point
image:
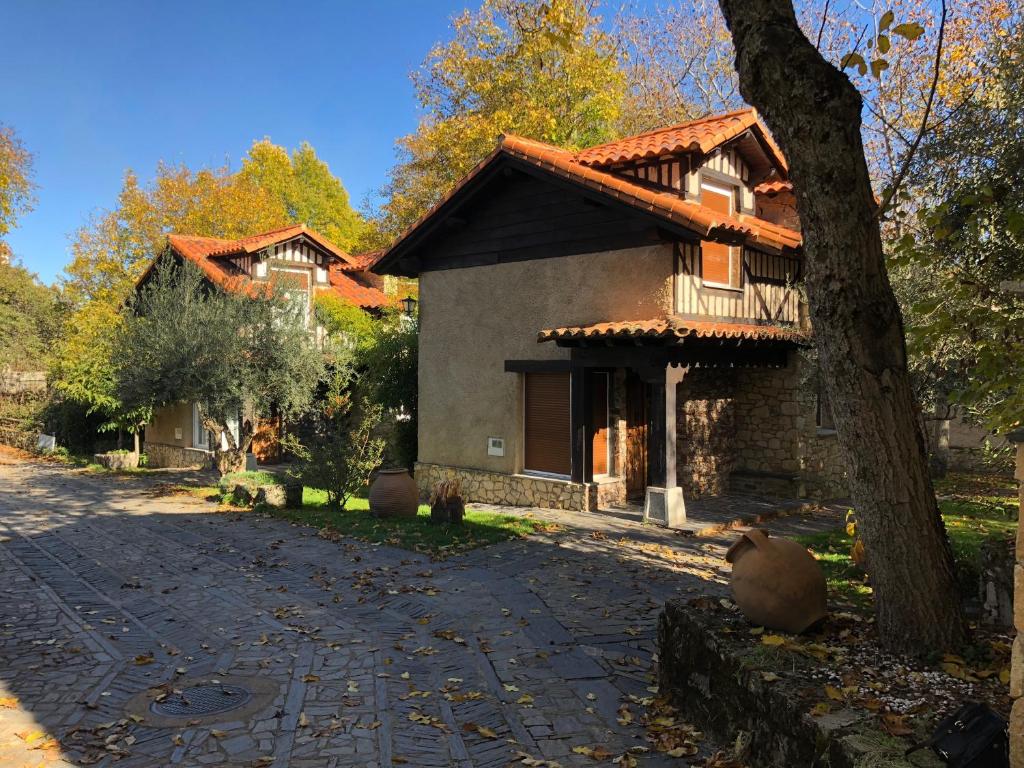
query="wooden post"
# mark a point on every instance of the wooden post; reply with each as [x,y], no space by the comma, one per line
[580,418]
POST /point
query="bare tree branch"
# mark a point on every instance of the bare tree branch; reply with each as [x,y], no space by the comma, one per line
[894,189]
[821,28]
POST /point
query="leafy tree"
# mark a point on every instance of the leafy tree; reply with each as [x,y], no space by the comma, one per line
[341,446]
[307,189]
[29,319]
[388,377]
[814,113]
[962,265]
[235,354]
[544,69]
[348,328]
[678,65]
[16,185]
[111,251]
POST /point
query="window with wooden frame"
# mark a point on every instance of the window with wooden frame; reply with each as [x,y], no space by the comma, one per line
[719,263]
[547,434]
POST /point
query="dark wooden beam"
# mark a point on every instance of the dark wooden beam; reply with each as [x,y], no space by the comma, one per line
[580,419]
[537,366]
[656,433]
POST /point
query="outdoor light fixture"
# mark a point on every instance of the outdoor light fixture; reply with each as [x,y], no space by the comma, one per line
[408,306]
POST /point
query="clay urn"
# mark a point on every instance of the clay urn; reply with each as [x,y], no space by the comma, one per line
[394,494]
[777,583]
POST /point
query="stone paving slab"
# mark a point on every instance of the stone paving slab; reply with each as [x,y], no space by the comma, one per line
[374,656]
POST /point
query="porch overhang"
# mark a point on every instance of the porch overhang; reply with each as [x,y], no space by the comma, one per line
[678,341]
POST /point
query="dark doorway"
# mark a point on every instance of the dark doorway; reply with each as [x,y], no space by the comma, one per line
[636,436]
[600,420]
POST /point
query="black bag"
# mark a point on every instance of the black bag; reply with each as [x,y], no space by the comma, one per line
[972,737]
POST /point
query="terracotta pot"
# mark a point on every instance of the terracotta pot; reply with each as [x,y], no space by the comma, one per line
[394,494]
[777,583]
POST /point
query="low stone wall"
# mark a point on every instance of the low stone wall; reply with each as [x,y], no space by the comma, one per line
[174,456]
[514,490]
[726,695]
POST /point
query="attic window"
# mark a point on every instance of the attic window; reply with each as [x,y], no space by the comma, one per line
[719,263]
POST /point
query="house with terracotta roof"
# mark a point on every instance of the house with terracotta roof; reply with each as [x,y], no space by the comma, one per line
[308,264]
[618,323]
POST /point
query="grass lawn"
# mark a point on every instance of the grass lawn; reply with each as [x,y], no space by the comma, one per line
[975,508]
[419,535]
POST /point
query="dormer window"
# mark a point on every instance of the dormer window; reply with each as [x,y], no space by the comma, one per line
[719,263]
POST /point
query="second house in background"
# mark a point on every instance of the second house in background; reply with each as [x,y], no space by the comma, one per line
[307,264]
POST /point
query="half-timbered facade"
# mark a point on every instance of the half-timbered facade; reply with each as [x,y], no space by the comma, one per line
[304,264]
[620,322]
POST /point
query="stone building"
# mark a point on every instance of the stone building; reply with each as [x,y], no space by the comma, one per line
[622,322]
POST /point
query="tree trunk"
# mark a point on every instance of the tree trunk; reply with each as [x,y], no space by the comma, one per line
[226,460]
[814,113]
[135,442]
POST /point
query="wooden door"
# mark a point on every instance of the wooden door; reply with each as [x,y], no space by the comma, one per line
[636,436]
[599,414]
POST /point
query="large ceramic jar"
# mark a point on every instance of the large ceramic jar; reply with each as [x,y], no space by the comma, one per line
[394,494]
[777,583]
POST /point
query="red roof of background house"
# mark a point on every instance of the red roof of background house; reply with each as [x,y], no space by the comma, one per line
[673,328]
[346,279]
[702,135]
[582,167]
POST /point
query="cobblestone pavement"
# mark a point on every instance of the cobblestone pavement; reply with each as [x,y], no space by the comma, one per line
[378,656]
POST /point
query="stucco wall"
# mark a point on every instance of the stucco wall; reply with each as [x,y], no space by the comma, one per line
[473,319]
[161,428]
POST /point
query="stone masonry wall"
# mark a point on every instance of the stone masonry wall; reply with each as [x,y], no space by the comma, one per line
[163,455]
[776,433]
[753,430]
[514,490]
[1017,663]
[706,431]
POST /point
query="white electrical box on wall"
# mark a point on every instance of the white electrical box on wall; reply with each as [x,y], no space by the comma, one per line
[495,446]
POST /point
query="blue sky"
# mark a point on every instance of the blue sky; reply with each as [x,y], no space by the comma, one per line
[94,88]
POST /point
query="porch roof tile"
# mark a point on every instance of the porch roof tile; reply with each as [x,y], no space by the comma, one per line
[669,328]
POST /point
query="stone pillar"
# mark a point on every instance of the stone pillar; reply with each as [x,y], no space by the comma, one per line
[664,504]
[1017,664]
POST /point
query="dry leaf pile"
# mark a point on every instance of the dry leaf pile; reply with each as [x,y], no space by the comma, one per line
[841,665]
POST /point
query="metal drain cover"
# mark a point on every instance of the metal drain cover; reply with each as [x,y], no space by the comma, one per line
[202,700]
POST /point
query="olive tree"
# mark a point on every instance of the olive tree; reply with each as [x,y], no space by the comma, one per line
[237,354]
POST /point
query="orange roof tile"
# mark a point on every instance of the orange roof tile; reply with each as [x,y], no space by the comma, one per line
[219,247]
[673,328]
[688,213]
[346,279]
[773,187]
[365,260]
[702,135]
[580,167]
